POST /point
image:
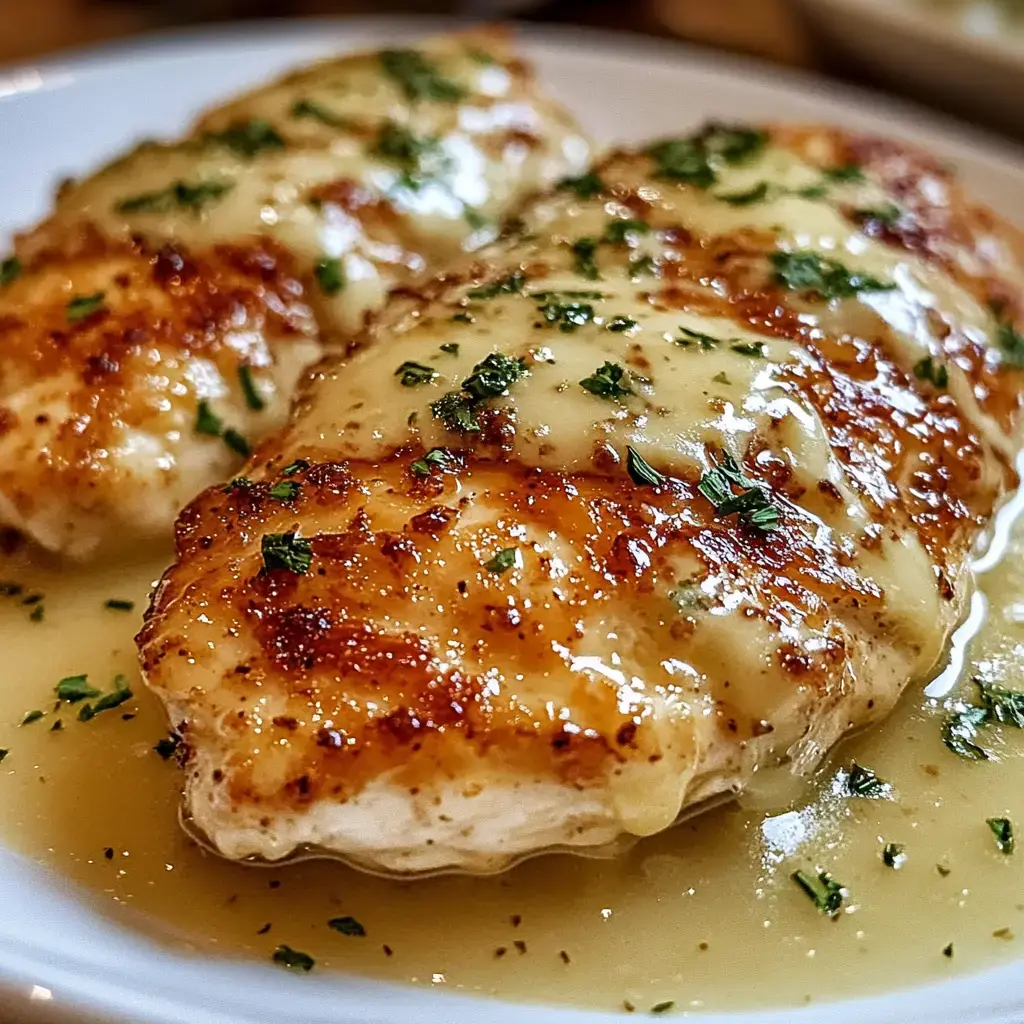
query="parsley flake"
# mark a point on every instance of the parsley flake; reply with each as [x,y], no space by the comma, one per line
[494,376]
[511,285]
[752,505]
[75,688]
[121,692]
[442,458]
[1002,829]
[806,271]
[502,561]
[413,374]
[618,232]
[32,716]
[253,399]
[567,316]
[584,251]
[298,466]
[285,490]
[620,324]
[237,442]
[180,195]
[689,337]
[418,77]
[864,782]
[960,732]
[207,421]
[247,138]
[841,173]
[1010,343]
[607,382]
[456,412]
[586,186]
[330,275]
[887,215]
[755,349]
[168,746]
[664,1007]
[640,470]
[285,956]
[758,194]
[310,109]
[286,551]
[823,891]
[116,604]
[893,856]
[695,160]
[10,270]
[84,306]
[451,348]
[930,370]
[347,926]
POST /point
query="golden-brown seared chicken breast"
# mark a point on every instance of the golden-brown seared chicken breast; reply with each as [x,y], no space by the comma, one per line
[153,327]
[675,484]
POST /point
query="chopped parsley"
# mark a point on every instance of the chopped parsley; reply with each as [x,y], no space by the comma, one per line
[418,77]
[462,317]
[695,160]
[330,275]
[121,692]
[960,732]
[1006,706]
[253,399]
[758,194]
[240,483]
[618,231]
[568,316]
[285,956]
[1010,343]
[418,158]
[117,604]
[32,716]
[10,270]
[456,412]
[620,324]
[841,173]
[75,688]
[314,111]
[295,467]
[893,855]
[3,752]
[285,490]
[888,214]
[607,382]
[664,1007]
[451,348]
[180,195]
[641,472]
[930,370]
[749,348]
[502,561]
[413,374]
[706,341]
[511,285]
[806,271]
[864,782]
[752,504]
[584,251]
[1002,829]
[286,551]
[586,186]
[823,891]
[211,425]
[494,376]
[83,306]
[168,746]
[247,138]
[947,951]
[640,267]
[442,458]
[347,926]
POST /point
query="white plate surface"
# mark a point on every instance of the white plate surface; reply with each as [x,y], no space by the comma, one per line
[59,959]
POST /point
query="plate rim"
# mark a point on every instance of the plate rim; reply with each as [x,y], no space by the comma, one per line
[89,993]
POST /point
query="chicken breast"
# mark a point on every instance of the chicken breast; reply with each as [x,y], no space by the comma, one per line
[675,484]
[154,327]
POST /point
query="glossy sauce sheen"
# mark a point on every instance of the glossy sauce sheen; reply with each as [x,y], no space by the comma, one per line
[404,702]
[634,929]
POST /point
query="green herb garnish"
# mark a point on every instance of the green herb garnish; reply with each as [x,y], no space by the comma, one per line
[10,270]
[640,470]
[641,266]
[887,215]
[584,251]
[207,421]
[456,412]
[502,561]
[247,138]
[413,374]
[418,77]
[893,855]
[824,891]
[1010,343]
[75,688]
[864,782]
[664,1007]
[442,458]
[620,324]
[309,108]
[1002,829]
[758,194]
[180,195]
[567,316]
[295,467]
[286,551]
[347,926]
[109,701]
[607,382]
[695,160]
[754,349]
[285,490]
[451,348]
[844,173]
[511,285]
[116,604]
[330,275]
[706,341]
[960,731]
[618,231]
[752,505]
[32,716]
[285,956]
[805,271]
[168,746]
[253,399]
[494,376]
[930,370]
[83,306]
[586,186]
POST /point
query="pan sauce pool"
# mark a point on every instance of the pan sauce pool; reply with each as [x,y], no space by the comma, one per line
[684,917]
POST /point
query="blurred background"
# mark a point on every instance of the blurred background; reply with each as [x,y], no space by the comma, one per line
[964,57]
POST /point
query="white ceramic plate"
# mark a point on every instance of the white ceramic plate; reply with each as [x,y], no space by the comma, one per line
[59,959]
[930,53]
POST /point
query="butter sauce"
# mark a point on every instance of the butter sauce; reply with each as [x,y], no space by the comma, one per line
[685,916]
